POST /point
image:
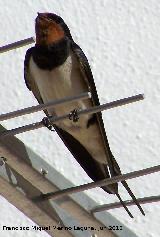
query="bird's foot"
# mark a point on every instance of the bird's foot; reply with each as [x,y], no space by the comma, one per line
[47,123]
[73,115]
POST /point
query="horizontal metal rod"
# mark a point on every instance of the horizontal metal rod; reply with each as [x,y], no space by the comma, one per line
[113,104]
[17,44]
[40,107]
[55,119]
[110,206]
[104,182]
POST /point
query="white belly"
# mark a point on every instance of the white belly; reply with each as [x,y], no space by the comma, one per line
[66,80]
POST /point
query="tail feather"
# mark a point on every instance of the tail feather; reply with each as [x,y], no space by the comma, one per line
[110,190]
[116,170]
[94,169]
[132,196]
[124,205]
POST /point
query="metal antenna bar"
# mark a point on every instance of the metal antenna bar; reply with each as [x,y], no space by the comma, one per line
[40,107]
[110,206]
[17,44]
[104,182]
[55,119]
[113,104]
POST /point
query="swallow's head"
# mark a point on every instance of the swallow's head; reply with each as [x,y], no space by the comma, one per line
[50,28]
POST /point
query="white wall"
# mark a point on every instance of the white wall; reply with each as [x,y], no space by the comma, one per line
[121,39]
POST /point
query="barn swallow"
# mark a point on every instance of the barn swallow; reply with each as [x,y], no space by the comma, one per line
[56,67]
